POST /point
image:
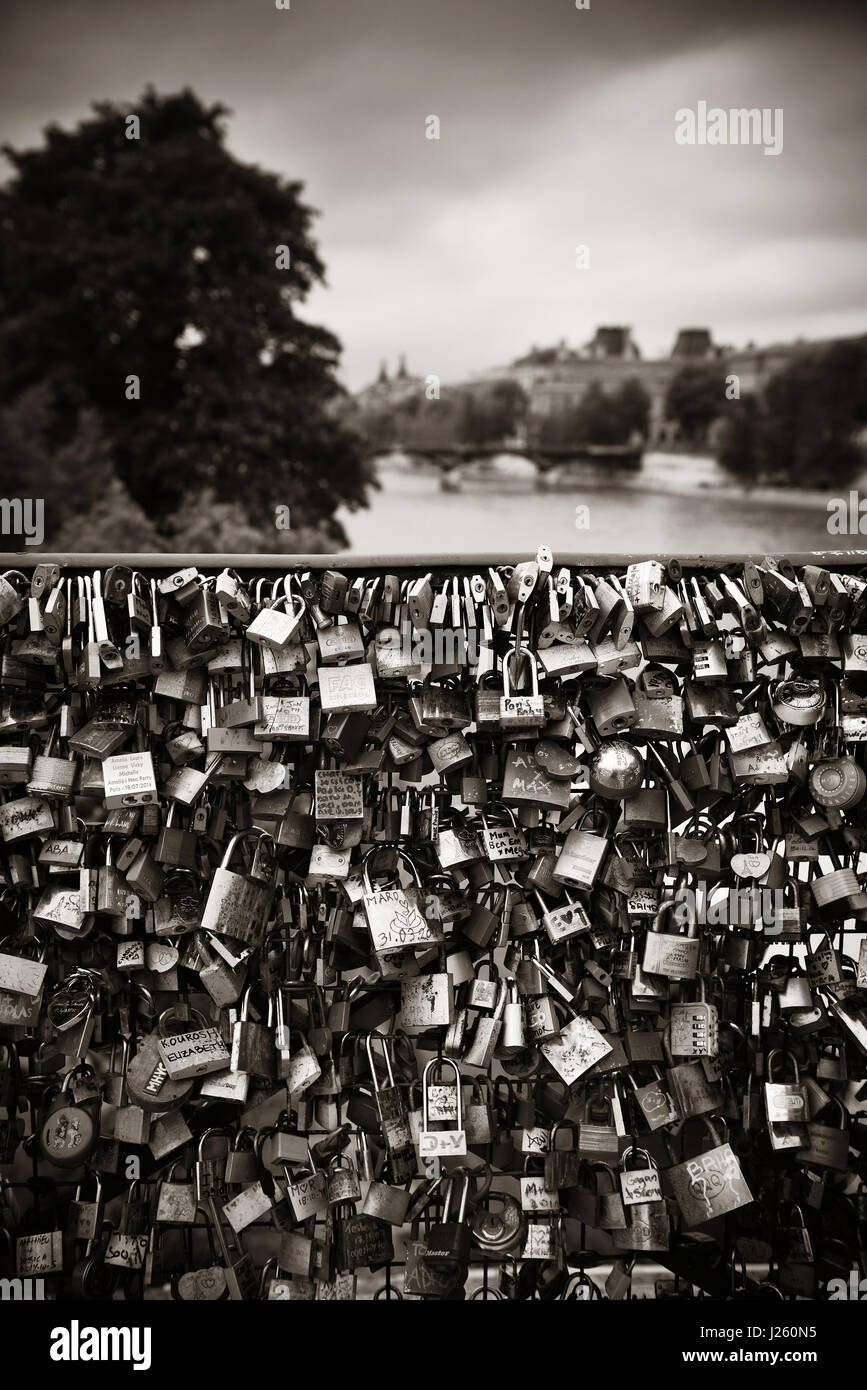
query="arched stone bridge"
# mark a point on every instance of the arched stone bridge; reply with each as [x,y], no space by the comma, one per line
[453,459]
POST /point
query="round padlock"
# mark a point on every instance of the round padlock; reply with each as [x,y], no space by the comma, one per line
[799,702]
[148,1083]
[69,1132]
[839,783]
[501,1231]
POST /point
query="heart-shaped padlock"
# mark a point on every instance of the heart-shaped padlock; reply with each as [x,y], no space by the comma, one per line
[753,865]
[201,1285]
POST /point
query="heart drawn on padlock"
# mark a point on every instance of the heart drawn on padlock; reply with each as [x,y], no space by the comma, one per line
[754,865]
[198,1285]
[160,956]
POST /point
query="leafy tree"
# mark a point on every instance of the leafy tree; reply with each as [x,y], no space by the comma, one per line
[805,428]
[738,446]
[632,404]
[599,418]
[695,397]
[812,409]
[508,408]
[596,419]
[490,415]
[69,477]
[461,416]
[157,258]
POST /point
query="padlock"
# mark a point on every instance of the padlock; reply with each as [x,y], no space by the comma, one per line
[449,1142]
[478,1114]
[694,1028]
[665,953]
[387,1203]
[582,855]
[252,1044]
[485,1039]
[598,1139]
[639,1185]
[689,1086]
[827,1146]
[237,904]
[148,1083]
[361,1240]
[655,1103]
[393,918]
[449,1243]
[796,993]
[176,1201]
[520,711]
[566,920]
[392,1114]
[427,1000]
[561,1162]
[483,926]
[480,993]
[785,1106]
[210,1172]
[69,1131]
[710,1184]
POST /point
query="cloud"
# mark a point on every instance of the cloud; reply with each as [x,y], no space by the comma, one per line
[751,247]
[557,129]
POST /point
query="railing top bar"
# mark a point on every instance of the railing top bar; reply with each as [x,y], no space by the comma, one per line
[351,560]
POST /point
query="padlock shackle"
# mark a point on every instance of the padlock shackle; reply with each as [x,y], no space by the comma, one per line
[435,1065]
[371,1037]
[402,855]
[254,833]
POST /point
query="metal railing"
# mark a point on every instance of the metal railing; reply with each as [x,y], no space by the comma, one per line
[349,560]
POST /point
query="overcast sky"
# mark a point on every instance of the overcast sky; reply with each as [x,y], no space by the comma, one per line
[557,129]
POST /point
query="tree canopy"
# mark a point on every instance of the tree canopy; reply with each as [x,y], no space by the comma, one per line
[807,427]
[163,258]
[600,417]
[695,397]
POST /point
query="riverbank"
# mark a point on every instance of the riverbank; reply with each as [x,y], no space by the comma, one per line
[676,502]
[674,474]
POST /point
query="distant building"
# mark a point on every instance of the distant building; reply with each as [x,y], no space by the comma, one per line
[613,345]
[695,345]
[388,391]
[555,379]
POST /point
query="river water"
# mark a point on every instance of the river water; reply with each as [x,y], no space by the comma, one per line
[675,504]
